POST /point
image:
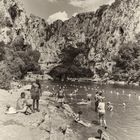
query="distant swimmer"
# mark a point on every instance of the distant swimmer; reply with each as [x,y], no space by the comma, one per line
[109,106]
[76,90]
[117,93]
[85,102]
[71,95]
[129,95]
[124,104]
[71,98]
[89,95]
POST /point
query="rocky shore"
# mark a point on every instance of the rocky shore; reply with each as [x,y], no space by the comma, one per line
[50,123]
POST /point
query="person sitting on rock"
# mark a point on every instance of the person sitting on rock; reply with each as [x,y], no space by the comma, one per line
[22,104]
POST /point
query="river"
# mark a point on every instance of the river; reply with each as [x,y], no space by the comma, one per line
[123,122]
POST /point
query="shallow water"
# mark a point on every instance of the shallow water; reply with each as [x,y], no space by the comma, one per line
[123,123]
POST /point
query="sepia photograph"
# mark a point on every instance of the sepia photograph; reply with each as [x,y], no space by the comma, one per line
[69,69]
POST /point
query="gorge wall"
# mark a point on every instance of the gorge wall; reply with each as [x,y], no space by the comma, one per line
[103,45]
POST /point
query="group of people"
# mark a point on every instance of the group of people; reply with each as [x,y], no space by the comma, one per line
[23,105]
[100,108]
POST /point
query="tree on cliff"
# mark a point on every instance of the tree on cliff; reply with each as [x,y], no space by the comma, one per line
[127,61]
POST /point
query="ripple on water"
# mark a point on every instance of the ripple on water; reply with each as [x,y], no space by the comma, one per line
[123,122]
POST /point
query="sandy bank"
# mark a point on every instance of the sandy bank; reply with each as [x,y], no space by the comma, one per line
[43,125]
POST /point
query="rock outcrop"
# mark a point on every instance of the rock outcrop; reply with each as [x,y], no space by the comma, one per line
[92,44]
[101,37]
[103,44]
[17,55]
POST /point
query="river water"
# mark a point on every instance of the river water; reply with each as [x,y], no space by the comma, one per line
[123,122]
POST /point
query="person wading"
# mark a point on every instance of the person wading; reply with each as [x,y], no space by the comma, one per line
[101,111]
[96,100]
[35,94]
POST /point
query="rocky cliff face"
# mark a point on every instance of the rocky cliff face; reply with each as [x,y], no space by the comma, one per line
[104,44]
[16,54]
[91,44]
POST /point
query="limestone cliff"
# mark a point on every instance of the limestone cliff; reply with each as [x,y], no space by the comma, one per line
[104,44]
[96,43]
[16,54]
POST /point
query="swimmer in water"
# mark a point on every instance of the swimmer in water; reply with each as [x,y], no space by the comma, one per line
[117,93]
[85,102]
[129,95]
[124,104]
[109,106]
[89,95]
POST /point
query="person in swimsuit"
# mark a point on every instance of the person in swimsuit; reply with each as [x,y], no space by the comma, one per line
[109,106]
[101,111]
[35,94]
[23,105]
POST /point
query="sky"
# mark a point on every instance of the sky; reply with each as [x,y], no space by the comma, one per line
[52,10]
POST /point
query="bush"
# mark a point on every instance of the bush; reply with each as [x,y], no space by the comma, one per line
[127,60]
[35,54]
[13,12]
[18,43]
[2,51]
